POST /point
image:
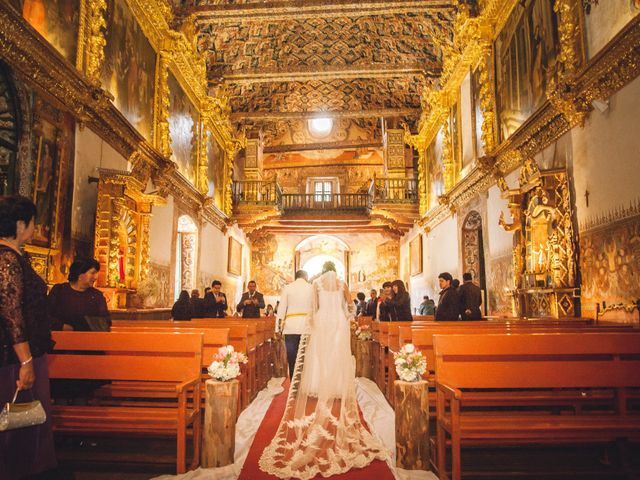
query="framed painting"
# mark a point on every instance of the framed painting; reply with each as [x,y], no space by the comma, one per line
[183,122]
[456,134]
[234,263]
[526,52]
[57,21]
[415,256]
[477,116]
[128,71]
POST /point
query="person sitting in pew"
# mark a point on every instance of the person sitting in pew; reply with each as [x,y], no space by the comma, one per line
[448,304]
[77,305]
[196,303]
[182,309]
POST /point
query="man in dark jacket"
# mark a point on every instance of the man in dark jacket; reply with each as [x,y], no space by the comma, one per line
[251,302]
[470,298]
[372,304]
[448,305]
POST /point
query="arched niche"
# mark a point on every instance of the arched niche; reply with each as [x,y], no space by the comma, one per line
[313,251]
[473,248]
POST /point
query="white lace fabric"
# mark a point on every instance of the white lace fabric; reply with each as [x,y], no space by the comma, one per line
[321,432]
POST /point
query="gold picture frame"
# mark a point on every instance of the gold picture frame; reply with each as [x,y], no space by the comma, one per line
[234,263]
[415,256]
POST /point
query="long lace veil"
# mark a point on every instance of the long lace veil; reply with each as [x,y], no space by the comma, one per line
[321,431]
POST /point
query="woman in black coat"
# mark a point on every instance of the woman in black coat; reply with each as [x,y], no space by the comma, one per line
[182,309]
[400,302]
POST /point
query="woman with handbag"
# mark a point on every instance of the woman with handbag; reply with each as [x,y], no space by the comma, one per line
[25,339]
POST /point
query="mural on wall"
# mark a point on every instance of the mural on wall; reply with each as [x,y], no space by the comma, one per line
[500,284]
[436,171]
[526,52]
[354,173]
[215,171]
[183,121]
[129,67]
[57,21]
[271,263]
[155,290]
[610,262]
[456,138]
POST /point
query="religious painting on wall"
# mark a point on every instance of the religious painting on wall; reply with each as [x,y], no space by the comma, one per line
[52,149]
[57,21]
[526,53]
[456,138]
[476,114]
[415,254]
[128,71]
[183,120]
[215,171]
[435,170]
[234,263]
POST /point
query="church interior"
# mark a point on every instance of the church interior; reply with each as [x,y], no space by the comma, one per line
[182,142]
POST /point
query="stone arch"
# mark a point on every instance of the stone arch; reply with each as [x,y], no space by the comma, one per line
[473,248]
[186,255]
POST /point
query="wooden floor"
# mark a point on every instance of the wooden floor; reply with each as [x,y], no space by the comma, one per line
[103,458]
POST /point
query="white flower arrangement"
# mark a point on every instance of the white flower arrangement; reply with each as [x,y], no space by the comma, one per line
[410,363]
[226,364]
[363,333]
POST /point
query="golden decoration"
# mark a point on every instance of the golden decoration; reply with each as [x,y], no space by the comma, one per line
[162,135]
[487,101]
[94,51]
[448,163]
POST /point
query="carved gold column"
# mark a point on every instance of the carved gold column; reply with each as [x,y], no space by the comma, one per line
[487,101]
[145,219]
[113,267]
[424,189]
[95,43]
[394,153]
[231,149]
[161,135]
[447,158]
[202,177]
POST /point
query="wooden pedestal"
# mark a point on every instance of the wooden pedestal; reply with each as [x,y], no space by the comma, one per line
[219,435]
[412,425]
[363,359]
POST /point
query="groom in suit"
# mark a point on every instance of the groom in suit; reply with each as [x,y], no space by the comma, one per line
[294,314]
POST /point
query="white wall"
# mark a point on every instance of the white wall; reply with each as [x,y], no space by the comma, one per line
[161,233]
[500,241]
[606,155]
[605,21]
[91,153]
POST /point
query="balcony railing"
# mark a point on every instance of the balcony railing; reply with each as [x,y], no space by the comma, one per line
[256,192]
[335,201]
[394,190]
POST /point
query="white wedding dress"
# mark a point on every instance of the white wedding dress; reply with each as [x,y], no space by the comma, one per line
[321,432]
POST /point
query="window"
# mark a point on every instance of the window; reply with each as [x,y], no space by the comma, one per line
[322,190]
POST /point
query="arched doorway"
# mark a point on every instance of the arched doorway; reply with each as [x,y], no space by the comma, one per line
[10,134]
[312,252]
[473,251]
[186,255]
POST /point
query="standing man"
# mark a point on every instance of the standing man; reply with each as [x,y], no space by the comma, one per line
[470,298]
[294,314]
[219,307]
[372,305]
[251,302]
[448,305]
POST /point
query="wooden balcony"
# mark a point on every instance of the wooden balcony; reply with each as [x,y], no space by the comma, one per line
[345,202]
[256,192]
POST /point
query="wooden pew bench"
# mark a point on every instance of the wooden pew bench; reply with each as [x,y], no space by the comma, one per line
[149,358]
[547,362]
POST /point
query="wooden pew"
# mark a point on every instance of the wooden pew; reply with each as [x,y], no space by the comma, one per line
[130,356]
[504,363]
[242,336]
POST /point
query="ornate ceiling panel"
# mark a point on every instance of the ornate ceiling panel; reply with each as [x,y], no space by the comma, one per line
[284,61]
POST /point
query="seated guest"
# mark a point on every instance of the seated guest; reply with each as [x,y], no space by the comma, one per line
[76,304]
[385,311]
[372,304]
[361,304]
[448,305]
[214,304]
[400,302]
[427,307]
[196,303]
[182,309]
[251,302]
[268,311]
[470,298]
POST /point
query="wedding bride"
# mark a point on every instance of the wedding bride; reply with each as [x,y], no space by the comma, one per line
[321,432]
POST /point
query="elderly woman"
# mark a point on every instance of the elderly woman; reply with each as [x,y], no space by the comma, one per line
[25,339]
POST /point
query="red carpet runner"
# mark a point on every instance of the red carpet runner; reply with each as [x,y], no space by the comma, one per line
[377,470]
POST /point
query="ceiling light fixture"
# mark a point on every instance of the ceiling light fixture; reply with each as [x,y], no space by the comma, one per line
[320,126]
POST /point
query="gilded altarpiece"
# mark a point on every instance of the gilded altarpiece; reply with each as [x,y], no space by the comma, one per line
[122,234]
[544,252]
[9,131]
[51,186]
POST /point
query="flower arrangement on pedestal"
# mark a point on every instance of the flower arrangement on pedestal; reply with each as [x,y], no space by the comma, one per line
[226,364]
[410,363]
[363,333]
